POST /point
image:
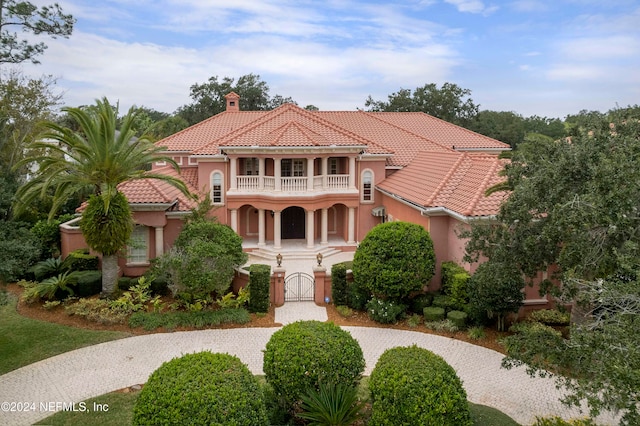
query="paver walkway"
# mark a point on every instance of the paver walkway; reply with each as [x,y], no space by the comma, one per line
[89,372]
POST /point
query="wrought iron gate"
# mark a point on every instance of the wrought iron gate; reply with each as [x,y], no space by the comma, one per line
[299,287]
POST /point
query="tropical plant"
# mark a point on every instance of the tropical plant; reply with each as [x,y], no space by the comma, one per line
[331,405]
[51,287]
[99,156]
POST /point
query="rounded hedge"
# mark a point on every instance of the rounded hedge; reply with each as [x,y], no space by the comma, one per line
[411,385]
[394,260]
[303,354]
[201,389]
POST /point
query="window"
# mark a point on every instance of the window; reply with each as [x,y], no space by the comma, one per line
[333,166]
[367,186]
[293,167]
[251,166]
[216,188]
[138,245]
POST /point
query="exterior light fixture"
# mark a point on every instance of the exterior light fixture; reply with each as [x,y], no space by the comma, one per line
[279,259]
[319,259]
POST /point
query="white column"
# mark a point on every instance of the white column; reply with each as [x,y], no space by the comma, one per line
[352,172]
[310,229]
[261,228]
[310,173]
[233,172]
[324,231]
[261,170]
[277,230]
[159,241]
[352,225]
[234,219]
[277,172]
[325,171]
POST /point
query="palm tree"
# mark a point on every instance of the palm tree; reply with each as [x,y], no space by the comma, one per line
[94,154]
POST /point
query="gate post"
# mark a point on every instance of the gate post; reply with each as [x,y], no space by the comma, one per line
[277,285]
[320,274]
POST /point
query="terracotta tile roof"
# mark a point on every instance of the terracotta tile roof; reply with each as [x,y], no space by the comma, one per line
[154,191]
[453,180]
[290,126]
[399,133]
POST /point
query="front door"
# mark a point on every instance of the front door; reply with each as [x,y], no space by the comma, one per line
[293,221]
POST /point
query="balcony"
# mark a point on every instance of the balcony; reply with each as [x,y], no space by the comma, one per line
[324,183]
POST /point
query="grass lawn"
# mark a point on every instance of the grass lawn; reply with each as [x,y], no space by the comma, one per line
[120,412]
[24,340]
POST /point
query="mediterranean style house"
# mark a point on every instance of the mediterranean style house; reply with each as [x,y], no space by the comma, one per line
[319,179]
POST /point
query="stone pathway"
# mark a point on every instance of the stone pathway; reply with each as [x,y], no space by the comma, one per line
[92,371]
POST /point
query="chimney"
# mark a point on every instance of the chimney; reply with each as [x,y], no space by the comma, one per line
[233,102]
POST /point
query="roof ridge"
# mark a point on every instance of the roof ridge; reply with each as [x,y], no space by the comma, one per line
[445,180]
[307,132]
[374,116]
[155,187]
[482,187]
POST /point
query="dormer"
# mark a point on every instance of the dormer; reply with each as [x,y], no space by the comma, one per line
[233,102]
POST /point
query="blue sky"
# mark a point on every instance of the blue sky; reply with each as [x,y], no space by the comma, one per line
[534,57]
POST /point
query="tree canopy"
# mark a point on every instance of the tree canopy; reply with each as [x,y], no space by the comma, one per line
[49,20]
[449,102]
[209,97]
[574,203]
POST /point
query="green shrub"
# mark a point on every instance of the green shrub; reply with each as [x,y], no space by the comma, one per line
[394,260]
[448,270]
[550,317]
[301,355]
[201,389]
[125,282]
[345,311]
[458,289]
[88,283]
[414,320]
[421,301]
[259,282]
[385,311]
[195,319]
[339,287]
[442,326]
[445,302]
[357,296]
[331,404]
[19,249]
[81,260]
[476,333]
[459,318]
[411,385]
[433,313]
[49,268]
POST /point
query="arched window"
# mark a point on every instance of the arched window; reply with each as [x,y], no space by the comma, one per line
[217,188]
[367,186]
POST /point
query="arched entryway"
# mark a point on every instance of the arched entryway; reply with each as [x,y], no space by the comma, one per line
[293,223]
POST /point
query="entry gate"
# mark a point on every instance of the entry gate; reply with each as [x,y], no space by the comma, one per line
[299,287]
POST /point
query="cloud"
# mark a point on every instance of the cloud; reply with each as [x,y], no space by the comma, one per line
[473,6]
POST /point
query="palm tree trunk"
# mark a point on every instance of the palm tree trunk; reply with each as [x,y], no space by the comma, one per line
[109,274]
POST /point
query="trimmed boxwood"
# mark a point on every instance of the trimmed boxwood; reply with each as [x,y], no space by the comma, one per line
[414,386]
[444,301]
[81,260]
[259,282]
[303,354]
[339,293]
[88,283]
[421,301]
[459,318]
[201,389]
[433,313]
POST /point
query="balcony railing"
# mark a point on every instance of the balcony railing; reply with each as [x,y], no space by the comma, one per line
[292,184]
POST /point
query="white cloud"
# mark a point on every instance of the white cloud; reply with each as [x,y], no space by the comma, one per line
[473,6]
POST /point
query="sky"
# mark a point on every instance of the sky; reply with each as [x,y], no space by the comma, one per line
[548,58]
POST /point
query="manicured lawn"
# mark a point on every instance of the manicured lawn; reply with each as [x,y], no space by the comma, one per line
[24,340]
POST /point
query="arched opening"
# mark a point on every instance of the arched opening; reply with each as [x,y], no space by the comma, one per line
[293,223]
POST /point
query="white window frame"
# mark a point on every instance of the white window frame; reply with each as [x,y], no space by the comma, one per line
[217,187]
[333,166]
[366,186]
[138,249]
[251,166]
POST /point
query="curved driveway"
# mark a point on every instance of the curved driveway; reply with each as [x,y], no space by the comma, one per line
[92,371]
